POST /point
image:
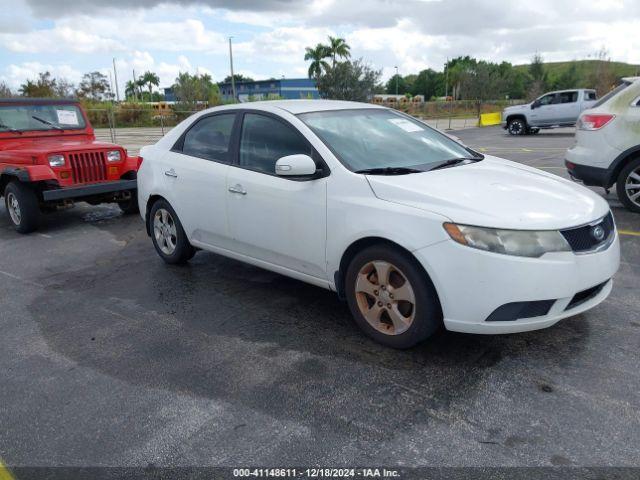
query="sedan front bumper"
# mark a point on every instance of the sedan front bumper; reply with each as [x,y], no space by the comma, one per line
[472,284]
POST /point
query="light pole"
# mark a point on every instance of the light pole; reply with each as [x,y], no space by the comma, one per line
[233,81]
[115,75]
[397,78]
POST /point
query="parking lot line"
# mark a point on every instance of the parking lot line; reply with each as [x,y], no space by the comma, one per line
[629,232]
[5,474]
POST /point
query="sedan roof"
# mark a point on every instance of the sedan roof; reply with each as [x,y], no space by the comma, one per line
[305,106]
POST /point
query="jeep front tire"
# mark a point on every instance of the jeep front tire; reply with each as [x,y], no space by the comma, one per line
[22,207]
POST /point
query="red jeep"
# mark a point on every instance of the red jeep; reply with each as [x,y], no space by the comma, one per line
[49,157]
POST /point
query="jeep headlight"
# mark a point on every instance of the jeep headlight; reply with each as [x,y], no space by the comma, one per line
[113,156]
[56,160]
[523,243]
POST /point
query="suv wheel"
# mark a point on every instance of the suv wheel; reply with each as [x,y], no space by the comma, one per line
[22,206]
[517,126]
[167,234]
[628,185]
[391,298]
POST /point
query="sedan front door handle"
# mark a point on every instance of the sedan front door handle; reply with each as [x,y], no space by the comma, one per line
[237,188]
[171,173]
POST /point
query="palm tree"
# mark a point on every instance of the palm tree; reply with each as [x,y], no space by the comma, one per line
[338,48]
[150,79]
[317,56]
[130,89]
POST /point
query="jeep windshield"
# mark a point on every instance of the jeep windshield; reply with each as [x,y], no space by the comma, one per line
[383,142]
[34,117]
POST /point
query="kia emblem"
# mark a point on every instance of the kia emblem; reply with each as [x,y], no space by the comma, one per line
[597,233]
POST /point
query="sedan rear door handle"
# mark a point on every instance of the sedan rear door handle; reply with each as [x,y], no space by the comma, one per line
[237,188]
[171,173]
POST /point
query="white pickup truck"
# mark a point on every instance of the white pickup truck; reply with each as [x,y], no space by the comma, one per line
[551,110]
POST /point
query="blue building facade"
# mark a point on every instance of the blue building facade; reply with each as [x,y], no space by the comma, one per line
[288,88]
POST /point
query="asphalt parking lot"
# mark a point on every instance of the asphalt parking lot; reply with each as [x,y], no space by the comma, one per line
[112,358]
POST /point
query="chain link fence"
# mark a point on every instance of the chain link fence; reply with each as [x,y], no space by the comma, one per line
[134,127]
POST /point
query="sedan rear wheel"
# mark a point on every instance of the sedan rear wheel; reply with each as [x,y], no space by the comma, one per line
[391,297]
[167,234]
[628,186]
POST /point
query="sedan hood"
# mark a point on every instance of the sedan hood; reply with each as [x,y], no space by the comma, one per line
[494,193]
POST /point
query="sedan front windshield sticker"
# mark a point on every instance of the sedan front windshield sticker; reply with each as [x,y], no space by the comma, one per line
[406,125]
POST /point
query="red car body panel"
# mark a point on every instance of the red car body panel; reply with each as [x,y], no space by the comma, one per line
[27,153]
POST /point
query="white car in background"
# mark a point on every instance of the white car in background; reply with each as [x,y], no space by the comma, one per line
[607,148]
[412,228]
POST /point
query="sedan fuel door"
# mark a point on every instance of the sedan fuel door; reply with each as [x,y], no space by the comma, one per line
[277,218]
[195,172]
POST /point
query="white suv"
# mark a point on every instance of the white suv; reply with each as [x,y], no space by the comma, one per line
[412,228]
[607,148]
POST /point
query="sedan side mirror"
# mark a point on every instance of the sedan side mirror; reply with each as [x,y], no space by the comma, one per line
[295,165]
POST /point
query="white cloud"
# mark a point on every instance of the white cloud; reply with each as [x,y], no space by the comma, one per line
[16,74]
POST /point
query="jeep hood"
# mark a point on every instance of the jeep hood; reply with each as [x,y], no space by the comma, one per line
[494,193]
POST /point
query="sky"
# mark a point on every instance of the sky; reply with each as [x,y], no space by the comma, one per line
[72,37]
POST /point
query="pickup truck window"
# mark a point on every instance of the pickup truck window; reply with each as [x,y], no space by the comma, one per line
[590,95]
[568,97]
[548,99]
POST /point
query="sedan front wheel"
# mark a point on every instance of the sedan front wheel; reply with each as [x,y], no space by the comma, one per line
[391,298]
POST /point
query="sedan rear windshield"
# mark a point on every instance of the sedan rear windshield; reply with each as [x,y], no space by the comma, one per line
[40,117]
[380,138]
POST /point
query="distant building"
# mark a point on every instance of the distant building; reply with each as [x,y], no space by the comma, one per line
[169,96]
[288,88]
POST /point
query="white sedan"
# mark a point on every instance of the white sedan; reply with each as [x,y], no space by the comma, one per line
[414,229]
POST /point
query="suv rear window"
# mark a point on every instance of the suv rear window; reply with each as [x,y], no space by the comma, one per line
[611,94]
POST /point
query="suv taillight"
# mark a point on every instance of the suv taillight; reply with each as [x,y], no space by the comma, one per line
[594,121]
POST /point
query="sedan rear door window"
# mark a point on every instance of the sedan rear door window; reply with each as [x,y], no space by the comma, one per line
[209,138]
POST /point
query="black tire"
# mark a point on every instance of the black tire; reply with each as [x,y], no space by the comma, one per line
[427,316]
[27,216]
[183,250]
[517,126]
[624,194]
[130,206]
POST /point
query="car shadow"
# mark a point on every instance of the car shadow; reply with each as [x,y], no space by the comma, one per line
[218,328]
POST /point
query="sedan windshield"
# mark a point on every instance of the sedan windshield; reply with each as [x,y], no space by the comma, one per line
[370,140]
[40,117]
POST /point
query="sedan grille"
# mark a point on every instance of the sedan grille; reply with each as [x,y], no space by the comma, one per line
[88,167]
[590,237]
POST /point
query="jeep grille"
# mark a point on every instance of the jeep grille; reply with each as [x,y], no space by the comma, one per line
[88,167]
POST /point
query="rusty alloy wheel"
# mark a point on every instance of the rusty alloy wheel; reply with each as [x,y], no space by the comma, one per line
[385,297]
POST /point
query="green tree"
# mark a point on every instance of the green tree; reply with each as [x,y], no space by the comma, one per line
[237,77]
[192,91]
[5,91]
[44,86]
[538,74]
[338,48]
[130,89]
[401,83]
[94,86]
[350,80]
[149,79]
[317,57]
[429,84]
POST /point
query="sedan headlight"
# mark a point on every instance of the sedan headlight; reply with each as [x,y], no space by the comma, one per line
[523,243]
[56,160]
[113,156]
